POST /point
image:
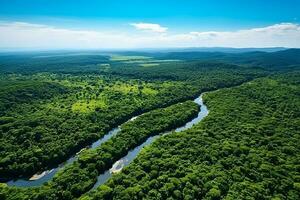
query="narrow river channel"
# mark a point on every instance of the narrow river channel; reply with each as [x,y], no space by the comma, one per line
[45,176]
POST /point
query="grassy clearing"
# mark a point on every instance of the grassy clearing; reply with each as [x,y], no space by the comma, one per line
[90,106]
[149,91]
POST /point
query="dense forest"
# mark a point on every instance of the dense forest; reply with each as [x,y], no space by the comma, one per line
[53,104]
[46,130]
[40,131]
[80,176]
[247,148]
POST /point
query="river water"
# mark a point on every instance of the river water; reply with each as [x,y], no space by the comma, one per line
[118,165]
[102,178]
[50,173]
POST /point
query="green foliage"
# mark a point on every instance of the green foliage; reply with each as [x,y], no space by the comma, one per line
[43,123]
[278,60]
[54,124]
[80,176]
[246,148]
[13,93]
[51,62]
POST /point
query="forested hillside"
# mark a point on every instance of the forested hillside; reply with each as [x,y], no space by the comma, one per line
[92,61]
[278,60]
[50,61]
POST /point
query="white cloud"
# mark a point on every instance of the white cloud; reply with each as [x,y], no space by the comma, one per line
[284,34]
[27,35]
[149,27]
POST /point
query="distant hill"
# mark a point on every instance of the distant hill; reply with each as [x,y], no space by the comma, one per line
[79,61]
[222,49]
[50,61]
[279,59]
[271,60]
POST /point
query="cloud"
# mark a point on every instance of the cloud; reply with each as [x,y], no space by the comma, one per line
[28,35]
[149,27]
[283,34]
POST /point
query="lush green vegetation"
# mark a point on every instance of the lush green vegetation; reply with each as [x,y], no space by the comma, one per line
[246,148]
[278,60]
[48,121]
[13,93]
[189,71]
[52,104]
[80,176]
[51,62]
[49,128]
[91,61]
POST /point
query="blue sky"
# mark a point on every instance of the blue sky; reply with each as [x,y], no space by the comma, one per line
[217,14]
[176,17]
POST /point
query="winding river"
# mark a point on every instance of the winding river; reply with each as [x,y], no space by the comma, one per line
[45,176]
